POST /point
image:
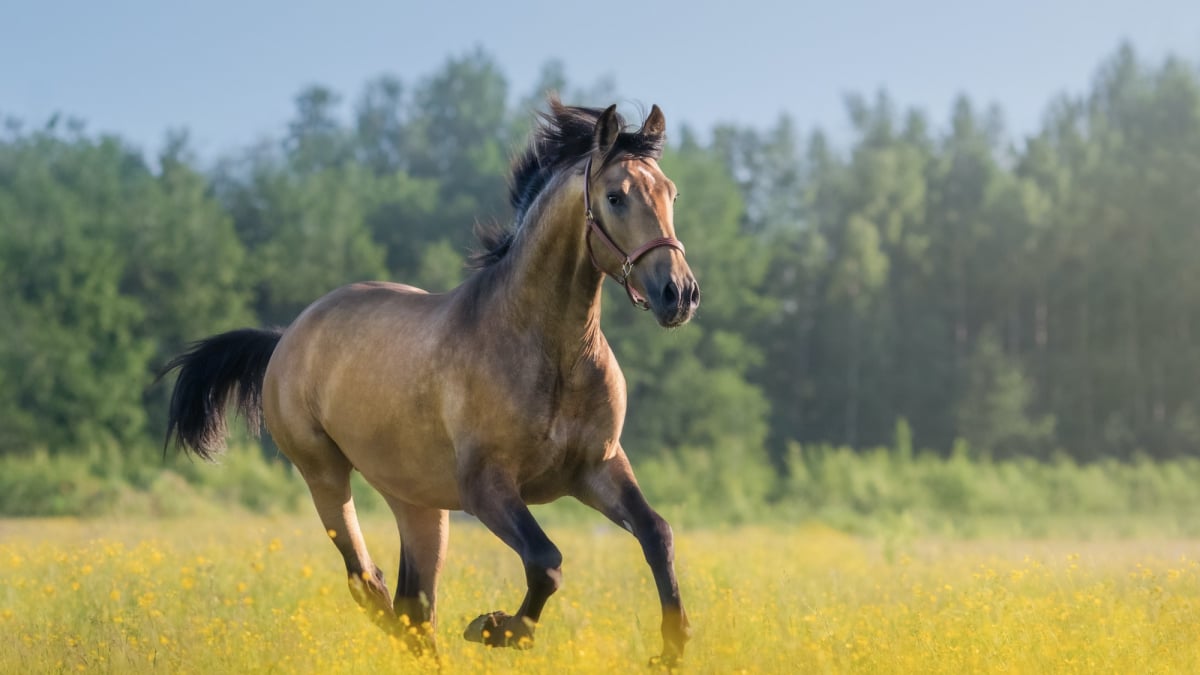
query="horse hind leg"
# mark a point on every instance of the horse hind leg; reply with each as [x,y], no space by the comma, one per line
[424,533]
[327,472]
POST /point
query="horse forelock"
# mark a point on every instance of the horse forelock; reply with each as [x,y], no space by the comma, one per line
[562,136]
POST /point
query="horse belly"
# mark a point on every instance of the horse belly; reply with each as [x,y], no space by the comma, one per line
[402,453]
[412,475]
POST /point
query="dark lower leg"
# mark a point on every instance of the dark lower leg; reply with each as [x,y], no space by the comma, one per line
[612,490]
[658,546]
[410,601]
[498,506]
[543,570]
[423,536]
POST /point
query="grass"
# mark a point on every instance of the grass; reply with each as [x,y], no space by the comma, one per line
[887,493]
[261,594]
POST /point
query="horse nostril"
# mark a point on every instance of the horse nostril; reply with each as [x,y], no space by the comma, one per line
[670,294]
[694,295]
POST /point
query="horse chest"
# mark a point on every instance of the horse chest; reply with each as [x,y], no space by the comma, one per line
[582,421]
[543,421]
[580,427]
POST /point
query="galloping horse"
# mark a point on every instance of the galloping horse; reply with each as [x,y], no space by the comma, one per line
[500,393]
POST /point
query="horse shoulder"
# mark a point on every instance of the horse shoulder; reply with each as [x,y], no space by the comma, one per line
[592,409]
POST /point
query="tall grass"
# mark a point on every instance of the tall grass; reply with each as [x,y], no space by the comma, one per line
[892,491]
[268,594]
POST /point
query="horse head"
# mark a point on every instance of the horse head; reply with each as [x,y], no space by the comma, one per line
[630,205]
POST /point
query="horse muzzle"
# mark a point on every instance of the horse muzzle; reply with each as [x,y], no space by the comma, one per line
[675,301]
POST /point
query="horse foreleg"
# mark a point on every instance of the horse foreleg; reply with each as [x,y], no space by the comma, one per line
[493,498]
[423,536]
[611,489]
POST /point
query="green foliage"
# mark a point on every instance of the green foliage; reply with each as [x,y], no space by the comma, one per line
[888,492]
[112,479]
[1030,298]
[883,491]
[72,358]
[1030,302]
[993,413]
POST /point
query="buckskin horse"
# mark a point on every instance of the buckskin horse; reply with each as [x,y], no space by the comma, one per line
[500,393]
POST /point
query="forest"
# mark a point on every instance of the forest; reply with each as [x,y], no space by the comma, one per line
[951,285]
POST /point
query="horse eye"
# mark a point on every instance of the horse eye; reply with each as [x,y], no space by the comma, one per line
[675,198]
[614,199]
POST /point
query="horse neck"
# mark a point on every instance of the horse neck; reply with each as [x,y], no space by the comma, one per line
[554,285]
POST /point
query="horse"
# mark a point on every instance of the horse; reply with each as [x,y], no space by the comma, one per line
[500,393]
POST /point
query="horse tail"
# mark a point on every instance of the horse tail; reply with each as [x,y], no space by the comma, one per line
[212,373]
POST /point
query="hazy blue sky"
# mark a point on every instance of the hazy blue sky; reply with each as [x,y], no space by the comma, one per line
[227,70]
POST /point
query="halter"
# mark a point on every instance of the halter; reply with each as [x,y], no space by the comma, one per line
[628,260]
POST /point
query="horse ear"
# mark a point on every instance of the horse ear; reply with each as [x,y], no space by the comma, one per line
[607,129]
[656,124]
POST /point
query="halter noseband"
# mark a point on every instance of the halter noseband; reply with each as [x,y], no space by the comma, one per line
[628,260]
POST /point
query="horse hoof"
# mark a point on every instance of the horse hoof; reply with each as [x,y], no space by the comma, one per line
[666,663]
[500,630]
[419,645]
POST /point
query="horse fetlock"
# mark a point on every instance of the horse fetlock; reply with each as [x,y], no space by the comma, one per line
[370,590]
[498,629]
[676,631]
[413,611]
[675,626]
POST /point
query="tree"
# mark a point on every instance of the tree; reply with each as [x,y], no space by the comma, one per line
[316,140]
[994,414]
[70,351]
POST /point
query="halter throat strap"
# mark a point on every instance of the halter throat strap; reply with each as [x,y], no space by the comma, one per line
[628,260]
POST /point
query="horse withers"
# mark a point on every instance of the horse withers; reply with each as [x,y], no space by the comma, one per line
[500,393]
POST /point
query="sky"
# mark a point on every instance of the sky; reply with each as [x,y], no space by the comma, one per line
[227,71]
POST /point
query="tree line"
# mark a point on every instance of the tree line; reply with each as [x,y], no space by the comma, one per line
[1018,297]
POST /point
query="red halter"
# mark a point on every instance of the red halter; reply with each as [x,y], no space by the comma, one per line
[628,260]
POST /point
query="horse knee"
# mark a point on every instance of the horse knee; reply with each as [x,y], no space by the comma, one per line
[658,530]
[543,570]
[656,537]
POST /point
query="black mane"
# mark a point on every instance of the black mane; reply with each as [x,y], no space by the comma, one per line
[563,136]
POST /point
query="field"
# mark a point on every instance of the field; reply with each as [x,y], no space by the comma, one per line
[257,594]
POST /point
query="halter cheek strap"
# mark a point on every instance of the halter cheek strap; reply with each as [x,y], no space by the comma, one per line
[628,260]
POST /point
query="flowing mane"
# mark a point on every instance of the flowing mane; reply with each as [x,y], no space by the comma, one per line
[563,136]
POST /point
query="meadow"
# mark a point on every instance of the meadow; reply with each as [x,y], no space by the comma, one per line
[253,593]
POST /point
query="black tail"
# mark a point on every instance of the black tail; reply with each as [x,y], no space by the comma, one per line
[212,370]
